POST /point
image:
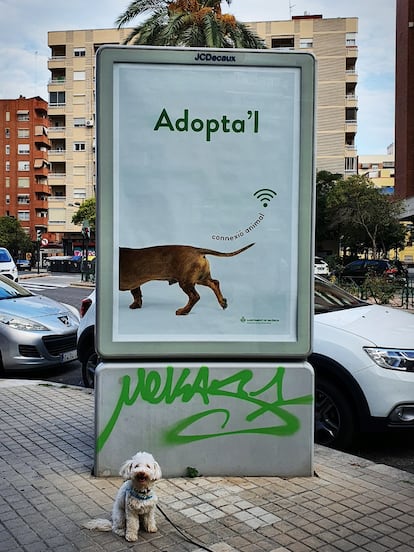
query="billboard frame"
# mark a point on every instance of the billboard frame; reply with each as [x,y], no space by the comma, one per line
[108,59]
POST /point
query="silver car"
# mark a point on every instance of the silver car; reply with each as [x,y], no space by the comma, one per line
[35,331]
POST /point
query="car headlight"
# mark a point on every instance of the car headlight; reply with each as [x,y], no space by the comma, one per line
[392,359]
[22,324]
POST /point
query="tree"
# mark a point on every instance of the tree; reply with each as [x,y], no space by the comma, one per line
[325,183]
[13,237]
[364,217]
[190,23]
[87,211]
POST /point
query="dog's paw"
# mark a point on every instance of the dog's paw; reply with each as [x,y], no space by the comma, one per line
[131,537]
[119,532]
[224,304]
[152,529]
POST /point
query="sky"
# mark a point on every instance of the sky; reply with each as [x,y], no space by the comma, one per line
[24,51]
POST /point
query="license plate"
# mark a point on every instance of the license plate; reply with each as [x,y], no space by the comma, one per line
[68,356]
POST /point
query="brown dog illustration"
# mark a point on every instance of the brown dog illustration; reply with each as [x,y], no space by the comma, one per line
[182,264]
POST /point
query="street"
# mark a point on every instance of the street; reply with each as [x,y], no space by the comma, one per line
[394,449]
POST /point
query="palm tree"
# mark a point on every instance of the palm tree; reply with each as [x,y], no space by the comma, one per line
[191,23]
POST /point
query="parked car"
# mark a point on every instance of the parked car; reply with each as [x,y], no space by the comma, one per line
[7,265]
[321,267]
[86,339]
[359,269]
[23,264]
[363,357]
[35,331]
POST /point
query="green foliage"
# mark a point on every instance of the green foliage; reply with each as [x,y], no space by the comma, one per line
[192,472]
[87,211]
[13,237]
[189,23]
[354,211]
[381,288]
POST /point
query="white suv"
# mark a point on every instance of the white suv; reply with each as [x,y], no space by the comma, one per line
[363,357]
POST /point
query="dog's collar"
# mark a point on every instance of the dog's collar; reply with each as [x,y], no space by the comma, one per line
[140,495]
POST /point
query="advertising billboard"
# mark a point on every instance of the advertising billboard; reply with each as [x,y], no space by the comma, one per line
[205,199]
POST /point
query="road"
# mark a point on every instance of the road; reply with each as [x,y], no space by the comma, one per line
[396,449]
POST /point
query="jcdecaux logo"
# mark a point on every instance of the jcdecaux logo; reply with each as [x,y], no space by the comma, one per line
[212,57]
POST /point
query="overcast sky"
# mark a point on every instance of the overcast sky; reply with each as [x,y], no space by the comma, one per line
[24,25]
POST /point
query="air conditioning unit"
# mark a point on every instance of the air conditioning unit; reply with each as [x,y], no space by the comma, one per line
[89,123]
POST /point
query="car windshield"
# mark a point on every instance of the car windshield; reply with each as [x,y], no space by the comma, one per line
[329,298]
[4,256]
[11,290]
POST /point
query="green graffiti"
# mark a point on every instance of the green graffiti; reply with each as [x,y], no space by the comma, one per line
[153,389]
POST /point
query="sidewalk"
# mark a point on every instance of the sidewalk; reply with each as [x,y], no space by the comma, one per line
[47,492]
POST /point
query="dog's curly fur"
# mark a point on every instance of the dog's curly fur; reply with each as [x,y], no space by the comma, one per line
[135,501]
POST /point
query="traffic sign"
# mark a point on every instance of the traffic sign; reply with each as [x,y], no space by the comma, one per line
[44,241]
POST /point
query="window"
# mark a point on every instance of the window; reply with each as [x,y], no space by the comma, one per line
[23,115]
[306,43]
[78,75]
[23,133]
[7,182]
[7,166]
[350,164]
[23,149]
[7,116]
[79,52]
[79,193]
[79,170]
[57,216]
[7,149]
[79,122]
[23,215]
[283,42]
[23,166]
[57,98]
[7,133]
[23,182]
[23,199]
[79,146]
[351,39]
[7,199]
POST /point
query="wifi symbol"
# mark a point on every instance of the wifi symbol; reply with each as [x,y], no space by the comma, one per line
[265,195]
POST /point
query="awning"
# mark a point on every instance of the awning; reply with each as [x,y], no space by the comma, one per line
[22,112]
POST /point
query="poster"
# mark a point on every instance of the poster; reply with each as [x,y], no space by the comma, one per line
[205,174]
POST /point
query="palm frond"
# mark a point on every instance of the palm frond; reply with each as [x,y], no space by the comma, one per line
[139,7]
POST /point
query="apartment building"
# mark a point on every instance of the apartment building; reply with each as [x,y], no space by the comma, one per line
[72,102]
[334,45]
[380,169]
[24,166]
[71,91]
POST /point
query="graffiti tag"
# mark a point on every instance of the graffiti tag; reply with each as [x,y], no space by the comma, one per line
[185,384]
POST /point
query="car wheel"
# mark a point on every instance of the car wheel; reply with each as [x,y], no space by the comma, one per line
[88,368]
[334,419]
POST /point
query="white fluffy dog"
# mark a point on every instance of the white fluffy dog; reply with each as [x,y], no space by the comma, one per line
[135,501]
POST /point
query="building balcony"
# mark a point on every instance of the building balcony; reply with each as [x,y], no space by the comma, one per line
[42,218]
[351,75]
[351,125]
[57,81]
[57,130]
[351,100]
[57,155]
[40,204]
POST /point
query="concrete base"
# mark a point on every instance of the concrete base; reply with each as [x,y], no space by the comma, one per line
[227,419]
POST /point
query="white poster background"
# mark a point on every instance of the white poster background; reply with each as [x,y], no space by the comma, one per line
[177,187]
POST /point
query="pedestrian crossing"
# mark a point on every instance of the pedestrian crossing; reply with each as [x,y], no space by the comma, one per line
[36,287]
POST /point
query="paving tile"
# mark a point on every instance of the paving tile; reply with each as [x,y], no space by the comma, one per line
[46,492]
